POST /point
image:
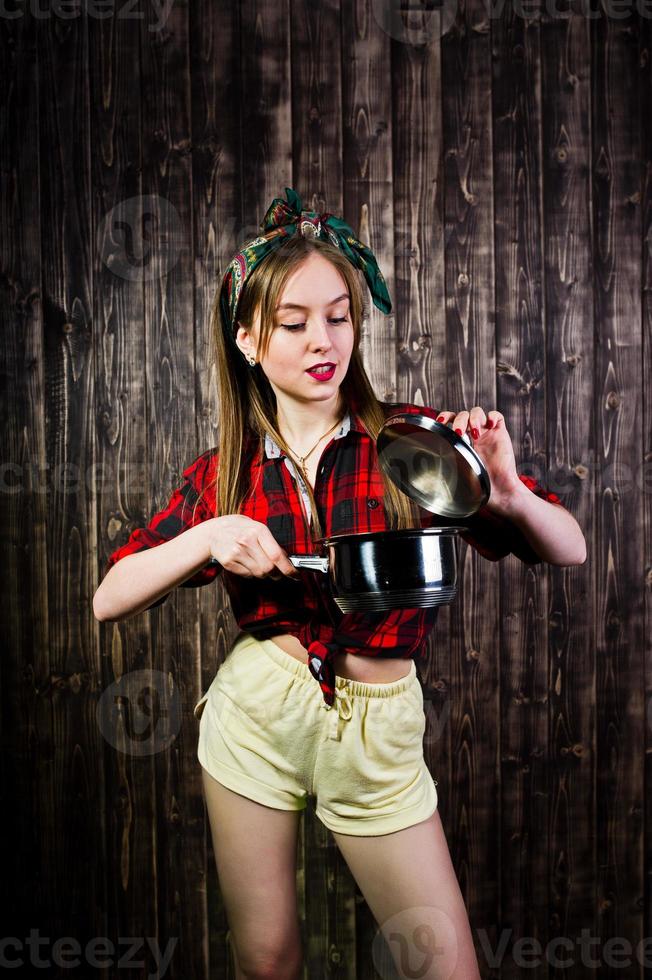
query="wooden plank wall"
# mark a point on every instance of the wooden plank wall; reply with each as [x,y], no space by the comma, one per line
[498,159]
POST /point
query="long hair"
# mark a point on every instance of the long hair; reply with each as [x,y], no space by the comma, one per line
[246,400]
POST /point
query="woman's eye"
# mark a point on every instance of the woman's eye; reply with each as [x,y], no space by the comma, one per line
[296,326]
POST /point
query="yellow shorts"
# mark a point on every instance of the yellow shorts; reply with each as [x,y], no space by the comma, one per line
[266,732]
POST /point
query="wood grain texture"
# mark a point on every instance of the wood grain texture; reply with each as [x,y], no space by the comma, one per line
[474,733]
[618,376]
[499,164]
[520,352]
[27,779]
[644,467]
[217,219]
[171,437]
[566,73]
[75,823]
[115,160]
[367,158]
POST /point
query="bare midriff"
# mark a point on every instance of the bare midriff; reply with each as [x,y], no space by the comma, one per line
[369,670]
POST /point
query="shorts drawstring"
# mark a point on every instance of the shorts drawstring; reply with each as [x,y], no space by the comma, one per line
[343,709]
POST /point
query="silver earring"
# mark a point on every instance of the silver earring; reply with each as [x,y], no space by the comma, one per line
[251,360]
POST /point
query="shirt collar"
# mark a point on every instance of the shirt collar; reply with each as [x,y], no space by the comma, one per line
[350,423]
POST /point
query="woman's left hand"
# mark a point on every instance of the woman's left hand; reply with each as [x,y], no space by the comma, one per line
[493,445]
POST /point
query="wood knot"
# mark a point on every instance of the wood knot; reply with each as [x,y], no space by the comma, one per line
[613,399]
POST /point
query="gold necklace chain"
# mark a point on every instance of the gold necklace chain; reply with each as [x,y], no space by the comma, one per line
[302,459]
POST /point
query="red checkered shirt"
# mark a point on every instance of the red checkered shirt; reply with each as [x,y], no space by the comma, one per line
[349,495]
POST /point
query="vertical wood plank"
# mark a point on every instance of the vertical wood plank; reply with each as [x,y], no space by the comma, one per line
[68,670]
[616,247]
[172,443]
[520,332]
[120,260]
[474,810]
[644,466]
[27,778]
[265,99]
[217,225]
[316,107]
[367,175]
[566,161]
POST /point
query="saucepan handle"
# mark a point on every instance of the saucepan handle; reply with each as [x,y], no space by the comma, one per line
[314,562]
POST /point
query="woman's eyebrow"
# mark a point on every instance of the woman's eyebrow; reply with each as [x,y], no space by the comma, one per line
[297,306]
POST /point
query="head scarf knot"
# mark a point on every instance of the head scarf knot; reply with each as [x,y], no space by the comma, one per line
[284,219]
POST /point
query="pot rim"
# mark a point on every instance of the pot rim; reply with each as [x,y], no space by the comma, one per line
[409,532]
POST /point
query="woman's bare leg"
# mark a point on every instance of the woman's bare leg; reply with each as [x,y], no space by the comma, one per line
[409,883]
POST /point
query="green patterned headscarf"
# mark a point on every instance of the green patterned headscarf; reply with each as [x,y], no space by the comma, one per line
[284,219]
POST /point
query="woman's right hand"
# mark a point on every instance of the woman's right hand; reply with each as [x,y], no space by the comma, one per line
[247,547]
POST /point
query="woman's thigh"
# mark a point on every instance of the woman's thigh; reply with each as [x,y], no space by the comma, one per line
[255,852]
[409,883]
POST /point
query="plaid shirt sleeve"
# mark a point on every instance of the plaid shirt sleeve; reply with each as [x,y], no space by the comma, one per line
[178,515]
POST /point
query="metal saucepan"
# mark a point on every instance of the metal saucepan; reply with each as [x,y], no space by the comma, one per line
[389,569]
[416,567]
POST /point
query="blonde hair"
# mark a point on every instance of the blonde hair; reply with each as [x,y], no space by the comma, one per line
[247,403]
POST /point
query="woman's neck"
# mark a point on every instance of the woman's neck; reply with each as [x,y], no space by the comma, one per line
[302,425]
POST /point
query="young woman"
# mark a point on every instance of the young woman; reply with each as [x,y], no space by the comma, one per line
[311,701]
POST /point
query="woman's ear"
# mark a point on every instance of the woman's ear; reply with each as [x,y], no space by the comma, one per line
[243,339]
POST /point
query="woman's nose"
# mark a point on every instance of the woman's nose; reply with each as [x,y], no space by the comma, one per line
[319,335]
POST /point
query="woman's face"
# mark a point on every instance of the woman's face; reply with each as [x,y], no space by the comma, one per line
[313,326]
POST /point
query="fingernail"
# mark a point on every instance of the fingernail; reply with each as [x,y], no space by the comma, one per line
[459,432]
[475,433]
[440,418]
[490,423]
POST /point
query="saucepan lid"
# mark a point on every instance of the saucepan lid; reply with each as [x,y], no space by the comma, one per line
[434,466]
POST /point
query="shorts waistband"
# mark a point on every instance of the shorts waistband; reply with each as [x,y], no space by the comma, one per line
[357,688]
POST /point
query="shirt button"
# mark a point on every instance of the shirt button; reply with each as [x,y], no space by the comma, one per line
[372,502]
